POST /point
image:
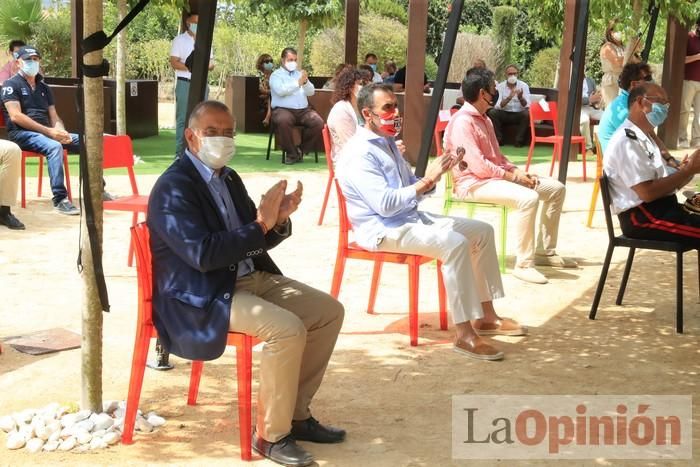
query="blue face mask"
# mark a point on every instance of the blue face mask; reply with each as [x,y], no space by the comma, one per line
[30,67]
[658,114]
[268,66]
[193,28]
[373,67]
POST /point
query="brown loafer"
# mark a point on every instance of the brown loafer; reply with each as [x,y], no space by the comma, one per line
[479,350]
[502,327]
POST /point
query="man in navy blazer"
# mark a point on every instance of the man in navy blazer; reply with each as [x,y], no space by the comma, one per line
[212,274]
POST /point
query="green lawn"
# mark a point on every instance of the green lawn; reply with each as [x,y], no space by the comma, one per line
[157,152]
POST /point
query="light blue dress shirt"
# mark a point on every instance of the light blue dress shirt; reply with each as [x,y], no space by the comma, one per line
[613,117]
[286,92]
[514,104]
[377,184]
[222,198]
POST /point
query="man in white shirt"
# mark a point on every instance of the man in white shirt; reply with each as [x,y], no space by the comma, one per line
[182,47]
[371,60]
[643,183]
[289,89]
[512,107]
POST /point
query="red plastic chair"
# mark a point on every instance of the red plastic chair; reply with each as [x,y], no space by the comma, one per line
[347,250]
[440,127]
[145,331]
[538,113]
[40,173]
[118,152]
[327,145]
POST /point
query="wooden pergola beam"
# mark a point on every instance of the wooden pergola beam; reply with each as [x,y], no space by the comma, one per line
[414,111]
[352,26]
[76,24]
[672,80]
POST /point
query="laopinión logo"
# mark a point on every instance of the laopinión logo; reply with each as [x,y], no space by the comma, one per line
[572,427]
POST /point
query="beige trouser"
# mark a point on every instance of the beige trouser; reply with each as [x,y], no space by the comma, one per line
[299,325]
[10,160]
[468,253]
[691,98]
[609,92]
[588,113]
[525,202]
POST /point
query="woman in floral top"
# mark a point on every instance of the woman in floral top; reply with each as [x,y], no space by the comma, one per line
[264,65]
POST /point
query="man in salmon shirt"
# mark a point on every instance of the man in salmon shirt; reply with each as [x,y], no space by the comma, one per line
[489,176]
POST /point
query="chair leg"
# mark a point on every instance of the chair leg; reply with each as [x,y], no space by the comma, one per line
[195,378]
[679,292]
[138,367]
[130,259]
[23,181]
[325,199]
[555,157]
[316,156]
[376,274]
[625,276]
[338,274]
[269,142]
[66,171]
[594,201]
[442,297]
[504,236]
[583,159]
[601,282]
[413,282]
[244,368]
[40,176]
[529,154]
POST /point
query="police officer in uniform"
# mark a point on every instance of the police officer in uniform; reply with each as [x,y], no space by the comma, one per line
[643,183]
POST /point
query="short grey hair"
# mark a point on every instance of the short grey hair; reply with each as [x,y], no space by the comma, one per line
[204,107]
[365,98]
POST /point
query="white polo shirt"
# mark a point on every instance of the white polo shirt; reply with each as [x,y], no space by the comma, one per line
[182,47]
[631,158]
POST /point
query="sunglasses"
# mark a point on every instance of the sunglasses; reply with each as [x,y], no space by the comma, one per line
[267,61]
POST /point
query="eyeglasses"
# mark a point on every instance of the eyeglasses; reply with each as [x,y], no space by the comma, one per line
[657,100]
[647,78]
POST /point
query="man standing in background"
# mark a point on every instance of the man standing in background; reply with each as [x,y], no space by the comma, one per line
[691,91]
[182,47]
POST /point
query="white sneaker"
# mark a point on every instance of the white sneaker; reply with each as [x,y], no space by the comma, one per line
[530,274]
[683,145]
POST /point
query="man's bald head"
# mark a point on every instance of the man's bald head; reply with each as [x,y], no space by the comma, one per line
[646,89]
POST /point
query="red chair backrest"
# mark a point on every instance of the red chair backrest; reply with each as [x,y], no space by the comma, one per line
[2,116]
[118,152]
[344,223]
[328,148]
[440,127]
[144,271]
[538,113]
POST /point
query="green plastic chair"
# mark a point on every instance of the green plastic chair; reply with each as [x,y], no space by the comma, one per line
[471,207]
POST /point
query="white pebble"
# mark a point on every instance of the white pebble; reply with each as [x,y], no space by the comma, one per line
[68,420]
[99,433]
[35,445]
[27,431]
[103,421]
[97,443]
[155,420]
[53,427]
[61,411]
[121,404]
[111,438]
[55,436]
[119,423]
[15,440]
[50,410]
[51,445]
[7,424]
[86,425]
[143,425]
[67,444]
[24,416]
[119,413]
[82,415]
[109,406]
[42,432]
[82,448]
[83,437]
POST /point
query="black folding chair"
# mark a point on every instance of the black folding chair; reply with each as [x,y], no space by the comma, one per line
[633,244]
[269,143]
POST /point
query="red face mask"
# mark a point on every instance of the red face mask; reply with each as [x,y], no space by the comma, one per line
[390,123]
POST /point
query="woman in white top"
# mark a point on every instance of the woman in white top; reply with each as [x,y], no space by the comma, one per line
[343,118]
[612,56]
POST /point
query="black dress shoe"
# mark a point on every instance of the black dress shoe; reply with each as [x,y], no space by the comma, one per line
[285,451]
[311,430]
[11,221]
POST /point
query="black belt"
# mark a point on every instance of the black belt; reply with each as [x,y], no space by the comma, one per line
[180,78]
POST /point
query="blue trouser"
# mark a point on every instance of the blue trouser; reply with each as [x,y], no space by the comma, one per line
[182,94]
[53,150]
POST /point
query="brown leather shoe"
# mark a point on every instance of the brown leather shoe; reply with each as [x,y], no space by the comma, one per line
[477,349]
[502,327]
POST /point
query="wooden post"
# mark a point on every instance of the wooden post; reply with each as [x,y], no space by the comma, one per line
[76,20]
[352,26]
[202,48]
[672,81]
[565,70]
[414,110]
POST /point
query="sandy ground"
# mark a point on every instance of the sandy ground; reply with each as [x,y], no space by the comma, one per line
[394,400]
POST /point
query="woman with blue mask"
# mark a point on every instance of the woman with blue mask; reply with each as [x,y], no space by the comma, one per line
[264,66]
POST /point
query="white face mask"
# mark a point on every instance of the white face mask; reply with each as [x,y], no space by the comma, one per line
[617,35]
[512,79]
[216,151]
[290,66]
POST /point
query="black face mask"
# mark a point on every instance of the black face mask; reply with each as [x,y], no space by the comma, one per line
[494,98]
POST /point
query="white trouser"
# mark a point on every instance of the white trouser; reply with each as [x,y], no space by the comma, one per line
[525,202]
[468,253]
[588,113]
[691,98]
[10,160]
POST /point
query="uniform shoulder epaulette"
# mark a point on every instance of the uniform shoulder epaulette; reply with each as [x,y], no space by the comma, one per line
[630,133]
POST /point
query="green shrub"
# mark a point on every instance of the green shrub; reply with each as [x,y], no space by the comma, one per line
[53,39]
[18,18]
[384,37]
[504,18]
[544,67]
[593,67]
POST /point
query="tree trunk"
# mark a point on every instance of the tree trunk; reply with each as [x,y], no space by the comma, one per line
[634,40]
[121,71]
[91,350]
[303,26]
